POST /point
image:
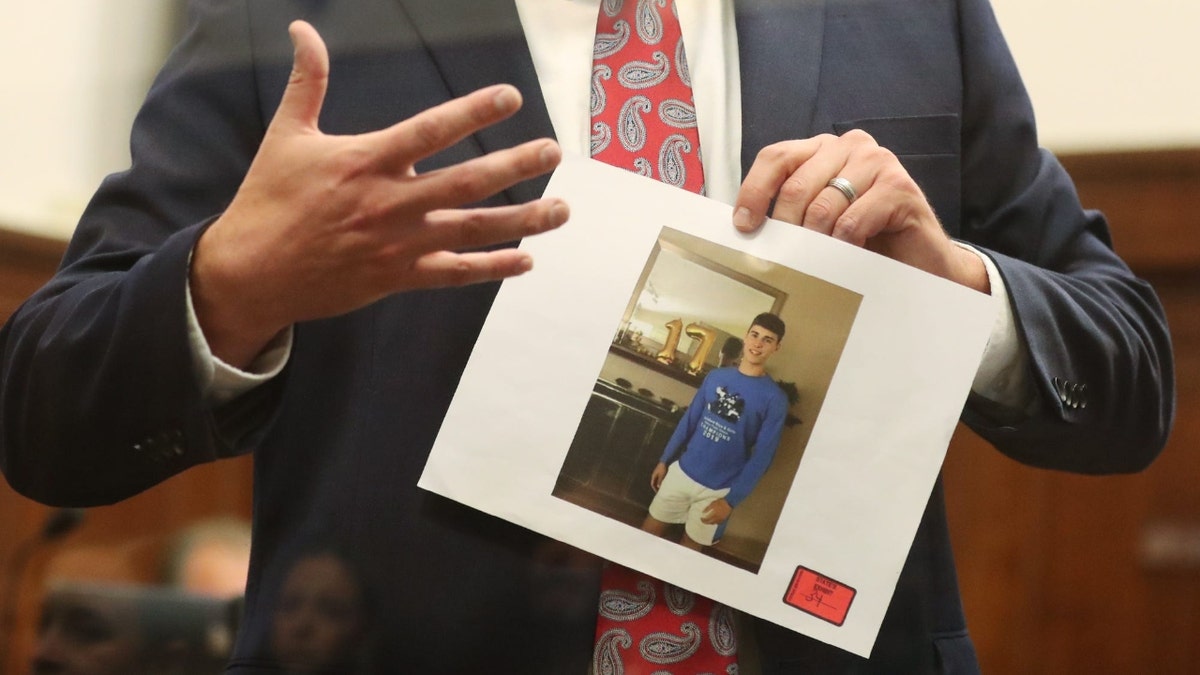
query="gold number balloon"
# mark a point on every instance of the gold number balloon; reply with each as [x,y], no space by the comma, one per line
[707,338]
[674,329]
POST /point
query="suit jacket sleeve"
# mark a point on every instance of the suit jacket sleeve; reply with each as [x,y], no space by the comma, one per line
[99,398]
[1097,337]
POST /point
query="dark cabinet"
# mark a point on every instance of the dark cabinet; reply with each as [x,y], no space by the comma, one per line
[620,438]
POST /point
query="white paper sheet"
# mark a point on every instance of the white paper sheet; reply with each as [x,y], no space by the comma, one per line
[899,350]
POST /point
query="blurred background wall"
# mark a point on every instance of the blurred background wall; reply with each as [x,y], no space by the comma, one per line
[1108,76]
[77,71]
[1059,573]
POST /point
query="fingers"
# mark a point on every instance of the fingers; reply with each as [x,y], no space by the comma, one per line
[830,210]
[440,127]
[480,177]
[716,512]
[305,93]
[476,228]
[446,268]
[397,148]
[804,193]
[796,175]
[855,222]
[880,206]
[771,169]
[657,476]
[431,255]
[879,196]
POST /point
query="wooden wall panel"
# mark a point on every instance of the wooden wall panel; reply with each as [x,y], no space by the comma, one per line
[1150,199]
[1066,574]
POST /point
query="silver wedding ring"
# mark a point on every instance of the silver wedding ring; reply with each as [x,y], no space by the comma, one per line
[843,186]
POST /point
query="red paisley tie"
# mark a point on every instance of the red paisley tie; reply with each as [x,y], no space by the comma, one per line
[643,115]
[644,120]
[649,627]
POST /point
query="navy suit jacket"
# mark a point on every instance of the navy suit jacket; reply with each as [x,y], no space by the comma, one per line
[98,400]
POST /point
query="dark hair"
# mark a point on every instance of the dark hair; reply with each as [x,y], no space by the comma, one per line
[732,348]
[771,322]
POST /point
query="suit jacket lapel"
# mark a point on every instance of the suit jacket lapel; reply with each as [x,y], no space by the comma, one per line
[476,43]
[779,49]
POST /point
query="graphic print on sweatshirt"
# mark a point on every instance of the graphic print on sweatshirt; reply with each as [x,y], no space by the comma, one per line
[727,407]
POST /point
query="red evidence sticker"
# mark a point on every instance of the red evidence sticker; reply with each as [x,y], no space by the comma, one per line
[820,596]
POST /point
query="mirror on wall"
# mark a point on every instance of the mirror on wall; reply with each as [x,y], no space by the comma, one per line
[684,311]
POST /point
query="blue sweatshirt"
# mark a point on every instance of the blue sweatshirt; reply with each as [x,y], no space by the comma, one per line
[729,434]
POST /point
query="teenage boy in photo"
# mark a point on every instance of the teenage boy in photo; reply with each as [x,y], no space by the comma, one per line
[723,445]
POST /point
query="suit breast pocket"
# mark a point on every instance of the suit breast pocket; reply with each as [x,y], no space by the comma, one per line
[928,147]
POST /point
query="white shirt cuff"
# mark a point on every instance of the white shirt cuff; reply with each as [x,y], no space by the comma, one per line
[1003,375]
[221,382]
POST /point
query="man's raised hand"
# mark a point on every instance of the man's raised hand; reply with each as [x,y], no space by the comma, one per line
[323,225]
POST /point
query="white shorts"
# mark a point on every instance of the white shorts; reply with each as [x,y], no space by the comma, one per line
[682,500]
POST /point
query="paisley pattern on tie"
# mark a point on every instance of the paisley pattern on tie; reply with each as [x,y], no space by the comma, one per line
[663,647]
[642,74]
[601,137]
[721,631]
[679,600]
[648,627]
[631,127]
[599,100]
[608,44]
[606,660]
[671,166]
[650,21]
[620,605]
[678,114]
[681,66]
[641,94]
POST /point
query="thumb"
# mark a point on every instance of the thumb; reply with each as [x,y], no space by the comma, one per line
[305,93]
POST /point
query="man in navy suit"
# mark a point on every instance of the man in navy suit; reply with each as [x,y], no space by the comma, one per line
[299,260]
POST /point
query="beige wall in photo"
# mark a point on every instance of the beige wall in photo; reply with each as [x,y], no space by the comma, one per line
[818,316]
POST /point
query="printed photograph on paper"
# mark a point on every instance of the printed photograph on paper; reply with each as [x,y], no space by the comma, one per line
[700,415]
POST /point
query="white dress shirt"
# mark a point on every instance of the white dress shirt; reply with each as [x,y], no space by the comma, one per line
[560,34]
